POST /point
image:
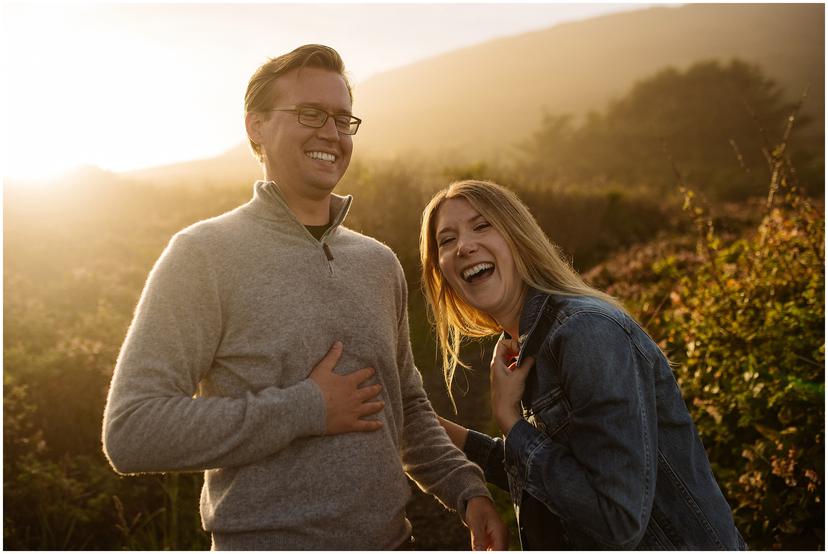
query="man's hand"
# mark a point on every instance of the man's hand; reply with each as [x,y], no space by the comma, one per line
[488,532]
[346,403]
[507,382]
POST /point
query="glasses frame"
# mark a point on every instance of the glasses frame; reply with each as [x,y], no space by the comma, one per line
[298,111]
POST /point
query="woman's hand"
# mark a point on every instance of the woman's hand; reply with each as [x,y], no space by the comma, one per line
[507,382]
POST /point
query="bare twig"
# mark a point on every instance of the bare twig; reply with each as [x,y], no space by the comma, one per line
[778,154]
[766,144]
[739,157]
[704,225]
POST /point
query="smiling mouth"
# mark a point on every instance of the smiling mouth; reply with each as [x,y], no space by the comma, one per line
[322,156]
[477,272]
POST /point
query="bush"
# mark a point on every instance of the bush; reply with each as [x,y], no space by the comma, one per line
[748,331]
[745,325]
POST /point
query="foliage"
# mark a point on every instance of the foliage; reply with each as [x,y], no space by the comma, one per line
[76,259]
[744,323]
[749,326]
[710,119]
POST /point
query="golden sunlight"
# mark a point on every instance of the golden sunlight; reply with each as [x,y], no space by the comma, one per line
[123,86]
[86,92]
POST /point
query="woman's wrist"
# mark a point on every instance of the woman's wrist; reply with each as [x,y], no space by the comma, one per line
[507,421]
[457,433]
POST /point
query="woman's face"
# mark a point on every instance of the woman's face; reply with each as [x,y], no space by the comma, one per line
[476,261]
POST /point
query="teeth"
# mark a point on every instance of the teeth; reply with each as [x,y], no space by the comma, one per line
[321,156]
[475,269]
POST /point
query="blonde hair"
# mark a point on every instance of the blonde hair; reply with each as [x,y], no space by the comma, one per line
[538,261]
[261,95]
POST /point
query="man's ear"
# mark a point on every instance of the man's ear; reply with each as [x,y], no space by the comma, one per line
[253,122]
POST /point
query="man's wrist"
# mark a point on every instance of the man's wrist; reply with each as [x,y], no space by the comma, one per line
[466,499]
[476,499]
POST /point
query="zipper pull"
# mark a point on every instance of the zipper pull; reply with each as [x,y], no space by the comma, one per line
[327,251]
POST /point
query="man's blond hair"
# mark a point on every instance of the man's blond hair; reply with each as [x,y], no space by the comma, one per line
[261,94]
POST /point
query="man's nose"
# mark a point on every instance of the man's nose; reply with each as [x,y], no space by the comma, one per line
[328,131]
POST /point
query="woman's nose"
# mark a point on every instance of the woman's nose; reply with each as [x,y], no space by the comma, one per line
[466,247]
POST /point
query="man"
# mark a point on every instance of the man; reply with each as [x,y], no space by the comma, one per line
[270,348]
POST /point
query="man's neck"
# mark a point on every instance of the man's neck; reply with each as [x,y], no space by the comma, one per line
[309,211]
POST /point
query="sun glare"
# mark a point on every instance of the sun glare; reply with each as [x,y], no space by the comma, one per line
[81,95]
[125,86]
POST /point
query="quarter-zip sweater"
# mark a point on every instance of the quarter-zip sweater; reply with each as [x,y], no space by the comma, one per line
[213,376]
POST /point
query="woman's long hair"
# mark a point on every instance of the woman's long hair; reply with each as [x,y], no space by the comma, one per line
[538,261]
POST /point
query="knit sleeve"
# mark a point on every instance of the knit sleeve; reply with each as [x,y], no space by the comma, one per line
[429,457]
[153,420]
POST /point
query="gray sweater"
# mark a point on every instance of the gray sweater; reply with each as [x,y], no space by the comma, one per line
[213,375]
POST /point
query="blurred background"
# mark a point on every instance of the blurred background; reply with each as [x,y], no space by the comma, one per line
[674,152]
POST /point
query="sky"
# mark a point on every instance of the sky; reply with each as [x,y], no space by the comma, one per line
[129,86]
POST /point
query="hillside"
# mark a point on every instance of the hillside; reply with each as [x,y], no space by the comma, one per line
[480,101]
[477,100]
[235,166]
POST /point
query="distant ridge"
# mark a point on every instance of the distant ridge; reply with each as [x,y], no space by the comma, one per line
[235,167]
[480,101]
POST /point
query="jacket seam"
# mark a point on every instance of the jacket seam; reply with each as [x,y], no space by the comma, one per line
[648,464]
[546,346]
[605,315]
[690,501]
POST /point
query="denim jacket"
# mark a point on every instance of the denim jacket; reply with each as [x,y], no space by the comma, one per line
[606,455]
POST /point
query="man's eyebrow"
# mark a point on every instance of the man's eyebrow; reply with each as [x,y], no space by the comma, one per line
[321,107]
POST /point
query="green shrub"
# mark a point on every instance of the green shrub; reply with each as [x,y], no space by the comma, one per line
[744,324]
[748,331]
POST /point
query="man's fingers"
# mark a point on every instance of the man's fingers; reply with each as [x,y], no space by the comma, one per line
[478,536]
[477,528]
[499,540]
[369,408]
[365,425]
[361,375]
[498,535]
[370,391]
[329,361]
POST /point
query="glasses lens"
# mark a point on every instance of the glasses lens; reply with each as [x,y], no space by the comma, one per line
[312,117]
[347,124]
[343,123]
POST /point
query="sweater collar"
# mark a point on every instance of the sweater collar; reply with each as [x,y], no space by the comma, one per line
[269,204]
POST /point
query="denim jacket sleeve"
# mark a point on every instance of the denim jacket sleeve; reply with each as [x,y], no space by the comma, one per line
[487,452]
[598,472]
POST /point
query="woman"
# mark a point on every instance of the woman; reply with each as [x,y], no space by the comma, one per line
[602,453]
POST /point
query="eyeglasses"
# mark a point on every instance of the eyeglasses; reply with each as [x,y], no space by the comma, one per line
[316,118]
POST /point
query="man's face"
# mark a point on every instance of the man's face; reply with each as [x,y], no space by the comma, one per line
[298,158]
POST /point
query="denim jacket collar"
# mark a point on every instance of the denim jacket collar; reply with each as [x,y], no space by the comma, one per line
[530,315]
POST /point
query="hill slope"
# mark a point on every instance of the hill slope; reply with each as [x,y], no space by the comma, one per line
[479,99]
